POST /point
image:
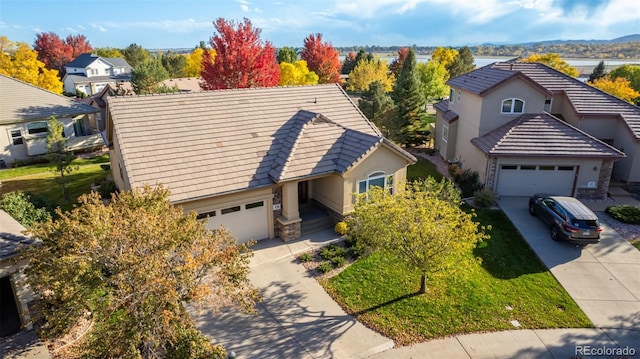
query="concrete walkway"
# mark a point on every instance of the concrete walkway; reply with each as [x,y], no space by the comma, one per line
[297,318]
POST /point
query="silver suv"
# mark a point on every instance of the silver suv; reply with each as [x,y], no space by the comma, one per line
[569,219]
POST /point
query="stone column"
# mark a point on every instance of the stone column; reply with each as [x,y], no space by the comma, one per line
[289,222]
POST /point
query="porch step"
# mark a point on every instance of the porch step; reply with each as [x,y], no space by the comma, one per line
[316,225]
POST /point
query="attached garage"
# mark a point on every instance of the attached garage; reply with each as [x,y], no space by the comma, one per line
[527,179]
[246,221]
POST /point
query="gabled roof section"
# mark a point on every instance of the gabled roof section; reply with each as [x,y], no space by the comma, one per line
[83,60]
[542,135]
[214,142]
[22,102]
[585,99]
[447,114]
[315,145]
[484,79]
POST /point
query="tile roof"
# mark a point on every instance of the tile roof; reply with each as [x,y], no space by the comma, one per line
[205,143]
[22,102]
[585,99]
[534,135]
[11,237]
[447,115]
[481,80]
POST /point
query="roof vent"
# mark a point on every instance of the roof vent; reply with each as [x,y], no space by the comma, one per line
[315,100]
[511,66]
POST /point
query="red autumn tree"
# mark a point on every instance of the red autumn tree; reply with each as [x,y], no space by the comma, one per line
[396,64]
[241,60]
[79,45]
[55,53]
[322,59]
[52,50]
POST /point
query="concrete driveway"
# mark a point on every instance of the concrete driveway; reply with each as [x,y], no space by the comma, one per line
[297,318]
[603,278]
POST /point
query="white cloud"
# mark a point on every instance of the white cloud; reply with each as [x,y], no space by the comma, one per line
[244,7]
[98,27]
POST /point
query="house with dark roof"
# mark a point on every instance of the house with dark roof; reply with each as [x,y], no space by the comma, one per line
[251,159]
[527,128]
[25,110]
[90,73]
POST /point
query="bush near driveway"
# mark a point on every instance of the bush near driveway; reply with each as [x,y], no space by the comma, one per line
[509,284]
[624,213]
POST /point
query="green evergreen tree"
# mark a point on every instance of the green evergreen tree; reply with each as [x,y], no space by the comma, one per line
[410,103]
[598,72]
[58,155]
[462,63]
[378,106]
[287,54]
[146,78]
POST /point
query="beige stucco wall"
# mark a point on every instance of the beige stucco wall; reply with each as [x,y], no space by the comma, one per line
[491,118]
[329,191]
[38,144]
[381,159]
[446,148]
[118,170]
[627,169]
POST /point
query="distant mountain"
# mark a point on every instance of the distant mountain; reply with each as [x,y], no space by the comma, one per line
[618,40]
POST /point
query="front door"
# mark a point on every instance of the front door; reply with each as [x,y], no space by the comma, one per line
[303,192]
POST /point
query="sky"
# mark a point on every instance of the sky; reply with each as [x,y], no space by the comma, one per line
[162,24]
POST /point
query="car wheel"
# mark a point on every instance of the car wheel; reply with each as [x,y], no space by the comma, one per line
[555,233]
[532,210]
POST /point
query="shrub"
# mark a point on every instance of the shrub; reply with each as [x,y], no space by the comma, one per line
[455,171]
[107,187]
[305,257]
[484,198]
[30,161]
[17,204]
[339,261]
[341,228]
[331,251]
[625,213]
[325,267]
[469,182]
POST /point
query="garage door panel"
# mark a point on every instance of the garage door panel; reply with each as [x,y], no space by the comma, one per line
[245,221]
[525,180]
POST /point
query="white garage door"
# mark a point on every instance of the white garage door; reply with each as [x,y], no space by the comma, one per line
[245,221]
[525,180]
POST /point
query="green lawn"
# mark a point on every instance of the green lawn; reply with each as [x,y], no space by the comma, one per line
[40,179]
[421,170]
[509,284]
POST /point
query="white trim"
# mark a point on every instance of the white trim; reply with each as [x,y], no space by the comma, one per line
[445,132]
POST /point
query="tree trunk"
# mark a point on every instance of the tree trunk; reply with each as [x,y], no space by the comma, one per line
[423,283]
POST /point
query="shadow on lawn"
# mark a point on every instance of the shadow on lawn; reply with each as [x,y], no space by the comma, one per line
[389,302]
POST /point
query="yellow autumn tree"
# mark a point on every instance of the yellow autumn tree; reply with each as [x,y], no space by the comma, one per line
[194,61]
[620,87]
[444,55]
[297,73]
[21,62]
[367,72]
[554,61]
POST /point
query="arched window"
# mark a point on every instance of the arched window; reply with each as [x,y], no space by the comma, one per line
[512,105]
[379,179]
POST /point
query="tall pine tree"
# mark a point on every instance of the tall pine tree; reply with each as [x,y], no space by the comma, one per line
[409,102]
[462,63]
[598,72]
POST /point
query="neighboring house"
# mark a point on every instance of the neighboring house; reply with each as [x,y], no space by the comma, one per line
[90,73]
[526,128]
[249,158]
[14,291]
[24,114]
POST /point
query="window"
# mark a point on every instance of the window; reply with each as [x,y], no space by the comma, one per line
[546,168]
[34,128]
[16,137]
[547,105]
[527,168]
[230,210]
[445,132]
[565,168]
[452,95]
[378,179]
[512,105]
[254,205]
[106,71]
[509,167]
[390,183]
[206,215]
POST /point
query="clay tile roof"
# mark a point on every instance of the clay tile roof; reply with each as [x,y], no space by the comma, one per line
[447,115]
[22,102]
[585,99]
[532,135]
[213,142]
